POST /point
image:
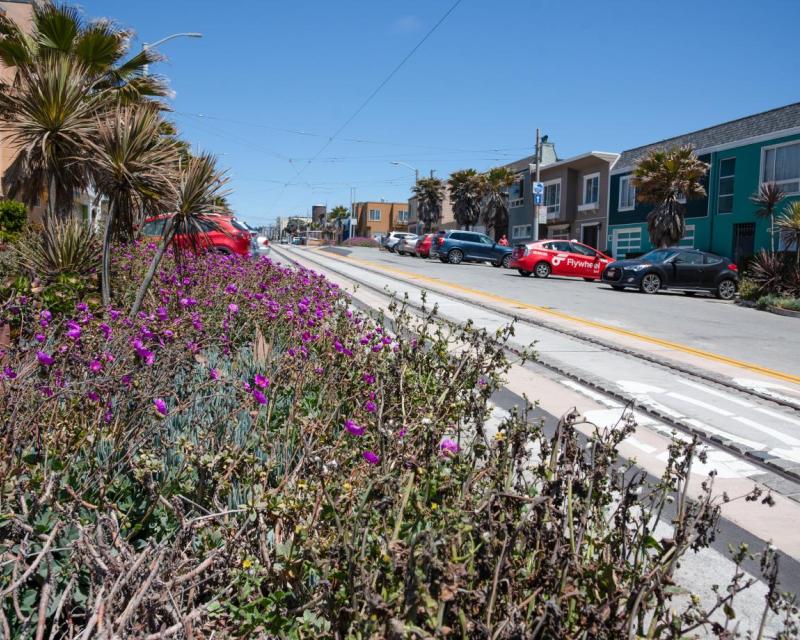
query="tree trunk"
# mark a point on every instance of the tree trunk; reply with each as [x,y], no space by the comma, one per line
[105,276]
[148,278]
[772,232]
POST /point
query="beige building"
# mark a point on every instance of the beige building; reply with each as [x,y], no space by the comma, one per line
[447,221]
[21,12]
[380,217]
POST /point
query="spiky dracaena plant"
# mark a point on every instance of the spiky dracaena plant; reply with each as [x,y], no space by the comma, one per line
[665,178]
[133,165]
[788,224]
[465,194]
[63,247]
[200,185]
[495,184]
[767,199]
[101,46]
[429,193]
[50,117]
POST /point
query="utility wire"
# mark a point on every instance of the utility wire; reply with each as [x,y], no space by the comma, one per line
[377,90]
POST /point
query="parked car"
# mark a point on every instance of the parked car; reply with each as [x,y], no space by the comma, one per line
[559,257]
[284,240]
[422,247]
[219,234]
[392,239]
[688,270]
[407,245]
[297,240]
[469,246]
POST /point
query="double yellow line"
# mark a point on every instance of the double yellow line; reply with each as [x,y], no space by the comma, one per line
[700,353]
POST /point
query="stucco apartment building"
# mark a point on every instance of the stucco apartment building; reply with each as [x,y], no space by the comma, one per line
[742,154]
[380,217]
[21,12]
[575,197]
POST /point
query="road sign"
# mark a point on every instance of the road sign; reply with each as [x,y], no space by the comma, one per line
[541,214]
[537,198]
[538,188]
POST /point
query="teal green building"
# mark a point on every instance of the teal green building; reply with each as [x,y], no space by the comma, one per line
[742,154]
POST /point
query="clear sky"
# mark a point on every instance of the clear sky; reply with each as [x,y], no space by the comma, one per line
[593,75]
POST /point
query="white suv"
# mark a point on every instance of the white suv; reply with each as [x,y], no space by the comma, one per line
[391,240]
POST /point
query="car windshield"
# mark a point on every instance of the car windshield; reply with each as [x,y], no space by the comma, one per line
[238,225]
[658,255]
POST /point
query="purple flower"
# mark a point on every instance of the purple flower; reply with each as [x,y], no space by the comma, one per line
[371,457]
[261,381]
[45,359]
[213,374]
[233,307]
[9,373]
[368,378]
[161,406]
[402,433]
[39,337]
[95,366]
[370,406]
[114,314]
[93,396]
[231,288]
[106,330]
[448,447]
[161,314]
[259,397]
[45,316]
[354,428]
[82,306]
[73,330]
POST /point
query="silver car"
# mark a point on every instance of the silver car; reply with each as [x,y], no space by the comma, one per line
[407,245]
[391,240]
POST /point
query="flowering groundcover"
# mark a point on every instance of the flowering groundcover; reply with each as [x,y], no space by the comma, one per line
[248,456]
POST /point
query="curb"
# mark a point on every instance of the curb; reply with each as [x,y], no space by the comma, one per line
[787,469]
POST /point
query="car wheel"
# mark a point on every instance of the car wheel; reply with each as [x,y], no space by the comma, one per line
[726,289]
[523,273]
[497,263]
[455,256]
[650,283]
[616,287]
[541,270]
[506,261]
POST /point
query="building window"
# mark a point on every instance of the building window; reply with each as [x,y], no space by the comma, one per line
[521,231]
[516,194]
[374,215]
[558,233]
[552,198]
[402,215]
[591,189]
[727,169]
[627,194]
[688,237]
[781,165]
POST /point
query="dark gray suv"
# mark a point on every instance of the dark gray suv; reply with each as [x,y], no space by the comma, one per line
[456,247]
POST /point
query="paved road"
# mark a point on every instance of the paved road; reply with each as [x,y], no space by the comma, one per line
[700,322]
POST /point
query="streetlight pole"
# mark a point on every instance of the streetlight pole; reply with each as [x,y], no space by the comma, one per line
[536,207]
[146,45]
[416,181]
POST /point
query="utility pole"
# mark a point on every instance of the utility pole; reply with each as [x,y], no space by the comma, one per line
[538,163]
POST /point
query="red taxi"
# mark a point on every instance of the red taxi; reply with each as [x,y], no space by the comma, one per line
[559,257]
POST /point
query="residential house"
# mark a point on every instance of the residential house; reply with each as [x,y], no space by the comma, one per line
[447,221]
[21,12]
[380,217]
[575,197]
[742,154]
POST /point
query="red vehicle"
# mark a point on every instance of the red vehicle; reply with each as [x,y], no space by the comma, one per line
[559,257]
[423,246]
[218,234]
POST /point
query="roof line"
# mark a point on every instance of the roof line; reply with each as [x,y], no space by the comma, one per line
[720,124]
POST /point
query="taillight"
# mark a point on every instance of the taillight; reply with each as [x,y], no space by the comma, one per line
[733,267]
[439,242]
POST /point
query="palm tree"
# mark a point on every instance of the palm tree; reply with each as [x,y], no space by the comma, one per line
[132,165]
[199,186]
[430,194]
[767,199]
[495,184]
[335,217]
[100,46]
[465,194]
[50,118]
[665,178]
[789,225]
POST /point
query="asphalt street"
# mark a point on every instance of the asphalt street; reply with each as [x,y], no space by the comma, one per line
[700,321]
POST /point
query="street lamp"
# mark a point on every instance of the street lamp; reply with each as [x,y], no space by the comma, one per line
[146,45]
[403,164]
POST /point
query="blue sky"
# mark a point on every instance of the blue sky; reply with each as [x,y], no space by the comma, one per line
[592,75]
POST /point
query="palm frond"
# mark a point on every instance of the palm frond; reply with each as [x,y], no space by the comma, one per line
[56,26]
[767,199]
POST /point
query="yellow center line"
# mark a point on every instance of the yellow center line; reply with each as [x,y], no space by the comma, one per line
[749,366]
